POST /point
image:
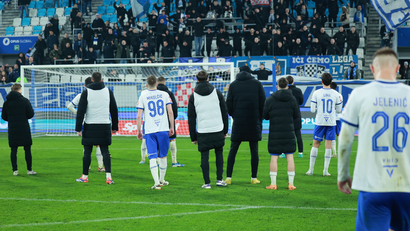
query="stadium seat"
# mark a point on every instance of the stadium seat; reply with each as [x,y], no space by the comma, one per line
[41,13]
[352,11]
[105,17]
[25,22]
[60,11]
[67,11]
[127,7]
[362,43]
[43,21]
[110,10]
[125,2]
[54,79]
[10,30]
[32,5]
[65,78]
[360,64]
[113,18]
[107,2]
[48,4]
[35,21]
[130,78]
[37,30]
[18,30]
[101,10]
[360,53]
[64,3]
[62,20]
[39,4]
[51,12]
[17,22]
[311,4]
[32,13]
[28,30]
[76,78]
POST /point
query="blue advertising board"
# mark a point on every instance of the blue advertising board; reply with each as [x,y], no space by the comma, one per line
[16,44]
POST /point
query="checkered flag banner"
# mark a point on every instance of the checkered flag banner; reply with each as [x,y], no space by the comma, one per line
[310,70]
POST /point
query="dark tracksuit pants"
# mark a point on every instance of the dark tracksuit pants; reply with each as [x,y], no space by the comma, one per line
[299,140]
[205,164]
[253,145]
[13,157]
[87,158]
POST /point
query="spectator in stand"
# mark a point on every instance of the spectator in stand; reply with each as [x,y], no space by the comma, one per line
[116,31]
[40,46]
[124,36]
[225,50]
[227,10]
[239,8]
[21,59]
[79,42]
[97,43]
[353,40]
[352,72]
[262,73]
[4,78]
[161,30]
[188,38]
[98,23]
[64,41]
[163,7]
[146,50]
[340,39]
[217,8]
[199,33]
[68,54]
[73,13]
[164,17]
[54,21]
[135,42]
[405,72]
[333,7]
[151,39]
[208,41]
[386,36]
[237,42]
[299,23]
[359,15]
[202,10]
[333,49]
[298,48]
[31,61]
[265,36]
[78,21]
[87,33]
[23,5]
[91,55]
[14,73]
[123,51]
[109,37]
[324,39]
[46,32]
[54,55]
[84,7]
[152,19]
[185,51]
[221,37]
[249,36]
[181,5]
[121,11]
[344,17]
[109,52]
[167,53]
[279,50]
[51,41]
[315,48]
[81,55]
[143,32]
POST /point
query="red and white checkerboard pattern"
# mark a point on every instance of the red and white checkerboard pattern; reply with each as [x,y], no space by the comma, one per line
[183,92]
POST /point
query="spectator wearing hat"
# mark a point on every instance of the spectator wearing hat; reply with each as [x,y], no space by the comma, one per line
[405,72]
[352,72]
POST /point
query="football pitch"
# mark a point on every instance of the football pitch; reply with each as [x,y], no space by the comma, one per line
[52,200]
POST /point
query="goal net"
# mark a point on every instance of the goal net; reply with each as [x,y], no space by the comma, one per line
[51,88]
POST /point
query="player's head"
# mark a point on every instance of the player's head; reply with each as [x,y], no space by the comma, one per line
[289,79]
[326,79]
[151,82]
[282,84]
[16,87]
[161,80]
[96,77]
[202,76]
[385,64]
[87,81]
[333,85]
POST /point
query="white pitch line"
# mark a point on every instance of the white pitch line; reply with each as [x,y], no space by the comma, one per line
[182,204]
[124,218]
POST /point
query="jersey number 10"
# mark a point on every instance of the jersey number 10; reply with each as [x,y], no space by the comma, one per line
[327,105]
[157,108]
[396,131]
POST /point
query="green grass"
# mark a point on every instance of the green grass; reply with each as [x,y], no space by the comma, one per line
[52,200]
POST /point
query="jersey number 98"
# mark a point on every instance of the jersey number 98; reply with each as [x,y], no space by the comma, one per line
[157,108]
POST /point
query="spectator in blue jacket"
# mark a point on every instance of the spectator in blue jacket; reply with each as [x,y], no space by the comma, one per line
[51,40]
[14,73]
[359,15]
[79,42]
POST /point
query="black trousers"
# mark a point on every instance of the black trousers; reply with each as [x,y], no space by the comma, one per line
[332,18]
[299,140]
[87,158]
[13,157]
[237,51]
[350,47]
[247,50]
[253,145]
[219,164]
[341,48]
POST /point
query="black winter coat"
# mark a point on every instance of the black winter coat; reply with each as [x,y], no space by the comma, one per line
[262,74]
[297,93]
[162,87]
[17,110]
[245,101]
[281,110]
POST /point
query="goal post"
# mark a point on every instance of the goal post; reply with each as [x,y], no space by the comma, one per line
[50,88]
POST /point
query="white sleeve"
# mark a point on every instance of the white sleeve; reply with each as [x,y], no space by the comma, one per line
[313,103]
[140,104]
[167,99]
[351,112]
[339,103]
[70,107]
[74,103]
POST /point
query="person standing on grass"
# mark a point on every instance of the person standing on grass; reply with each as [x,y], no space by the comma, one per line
[381,112]
[159,126]
[93,123]
[245,101]
[17,110]
[333,85]
[71,106]
[281,109]
[326,102]
[297,93]
[208,125]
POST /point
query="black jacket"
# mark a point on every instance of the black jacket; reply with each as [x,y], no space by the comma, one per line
[340,38]
[281,110]
[297,93]
[332,49]
[207,141]
[225,50]
[96,134]
[245,100]
[162,87]
[185,51]
[353,39]
[167,52]
[262,74]
[17,110]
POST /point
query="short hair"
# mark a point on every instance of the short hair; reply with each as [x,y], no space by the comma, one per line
[161,79]
[282,83]
[96,76]
[87,81]
[202,76]
[333,85]
[326,79]
[151,81]
[384,52]
[289,79]
[16,87]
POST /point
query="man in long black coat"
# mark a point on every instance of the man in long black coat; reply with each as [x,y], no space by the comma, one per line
[297,93]
[17,110]
[245,101]
[281,109]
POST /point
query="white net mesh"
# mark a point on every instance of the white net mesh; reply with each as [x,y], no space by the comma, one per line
[51,88]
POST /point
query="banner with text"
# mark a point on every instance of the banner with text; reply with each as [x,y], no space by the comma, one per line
[16,44]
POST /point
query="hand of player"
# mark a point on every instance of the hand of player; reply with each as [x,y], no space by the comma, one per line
[79,133]
[194,142]
[226,135]
[113,131]
[139,135]
[345,186]
[171,132]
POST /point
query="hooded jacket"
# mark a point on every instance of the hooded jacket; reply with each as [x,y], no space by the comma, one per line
[163,87]
[297,93]
[207,117]
[17,110]
[245,101]
[281,110]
